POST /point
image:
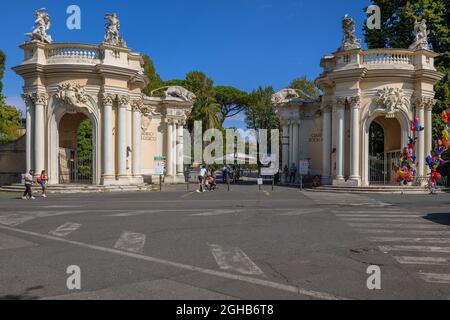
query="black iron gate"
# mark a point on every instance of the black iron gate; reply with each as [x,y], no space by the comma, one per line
[381,168]
[75,169]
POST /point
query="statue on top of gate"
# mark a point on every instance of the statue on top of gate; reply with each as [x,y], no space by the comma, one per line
[42,24]
[350,42]
[112,27]
[421,36]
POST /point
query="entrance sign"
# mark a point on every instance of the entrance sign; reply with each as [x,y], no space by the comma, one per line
[160,166]
[260,182]
[304,167]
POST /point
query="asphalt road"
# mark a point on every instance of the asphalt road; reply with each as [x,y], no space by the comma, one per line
[243,244]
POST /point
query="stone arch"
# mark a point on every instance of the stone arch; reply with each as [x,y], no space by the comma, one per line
[371,113]
[56,113]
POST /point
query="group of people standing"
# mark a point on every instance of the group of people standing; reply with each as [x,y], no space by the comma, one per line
[206,180]
[29,181]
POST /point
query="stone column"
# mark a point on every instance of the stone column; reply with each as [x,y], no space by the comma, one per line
[355,173]
[340,144]
[136,141]
[40,102]
[29,133]
[295,143]
[291,143]
[326,145]
[122,139]
[420,113]
[429,128]
[108,176]
[170,154]
[285,146]
[180,149]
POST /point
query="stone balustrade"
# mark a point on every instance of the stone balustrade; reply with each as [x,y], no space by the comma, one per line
[77,53]
[384,56]
[380,59]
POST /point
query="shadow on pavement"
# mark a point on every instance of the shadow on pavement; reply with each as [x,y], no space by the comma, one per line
[441,218]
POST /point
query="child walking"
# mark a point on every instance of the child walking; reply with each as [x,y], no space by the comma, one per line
[43,181]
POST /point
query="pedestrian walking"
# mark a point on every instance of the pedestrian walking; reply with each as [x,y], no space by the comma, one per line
[293,176]
[201,179]
[43,181]
[28,194]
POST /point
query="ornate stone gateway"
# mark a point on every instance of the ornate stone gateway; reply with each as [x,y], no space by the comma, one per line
[389,86]
[103,83]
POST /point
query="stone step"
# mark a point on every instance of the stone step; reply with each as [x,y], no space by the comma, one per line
[372,189]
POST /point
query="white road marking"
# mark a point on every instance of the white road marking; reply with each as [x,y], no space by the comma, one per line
[65,229]
[214,213]
[380,216]
[427,249]
[234,259]
[406,232]
[409,240]
[14,220]
[381,220]
[225,275]
[423,260]
[396,225]
[435,277]
[133,242]
[299,212]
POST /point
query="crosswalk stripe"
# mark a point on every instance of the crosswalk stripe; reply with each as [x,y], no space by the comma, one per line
[422,260]
[382,219]
[409,240]
[380,216]
[129,241]
[234,259]
[65,229]
[406,232]
[427,249]
[435,277]
[395,225]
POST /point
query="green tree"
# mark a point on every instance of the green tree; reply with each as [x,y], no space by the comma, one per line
[154,80]
[10,124]
[85,147]
[2,72]
[397,25]
[232,101]
[308,89]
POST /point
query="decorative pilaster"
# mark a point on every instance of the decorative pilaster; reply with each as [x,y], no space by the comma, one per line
[30,131]
[355,175]
[326,144]
[108,176]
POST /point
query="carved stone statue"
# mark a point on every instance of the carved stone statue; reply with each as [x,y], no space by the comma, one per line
[42,24]
[177,92]
[392,99]
[421,36]
[350,42]
[112,34]
[284,96]
[72,96]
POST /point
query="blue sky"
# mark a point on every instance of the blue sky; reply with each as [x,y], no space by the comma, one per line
[243,43]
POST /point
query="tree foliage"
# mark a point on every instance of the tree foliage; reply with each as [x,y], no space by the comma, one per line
[2,72]
[232,101]
[260,114]
[10,124]
[397,25]
[154,80]
[308,89]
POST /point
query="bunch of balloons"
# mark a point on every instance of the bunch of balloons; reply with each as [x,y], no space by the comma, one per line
[406,170]
[440,146]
